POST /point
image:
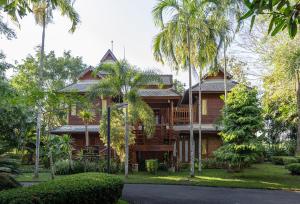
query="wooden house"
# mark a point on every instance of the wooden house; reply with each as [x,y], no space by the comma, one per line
[171,139]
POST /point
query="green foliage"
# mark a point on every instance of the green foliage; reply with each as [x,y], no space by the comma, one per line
[284,14]
[294,168]
[123,82]
[73,189]
[212,164]
[178,86]
[7,182]
[241,120]
[117,132]
[152,166]
[284,160]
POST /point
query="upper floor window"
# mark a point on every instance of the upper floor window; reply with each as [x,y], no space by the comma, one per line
[73,110]
[204,106]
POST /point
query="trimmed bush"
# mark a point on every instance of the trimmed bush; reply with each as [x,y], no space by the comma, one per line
[278,160]
[294,168]
[62,167]
[290,160]
[212,164]
[152,166]
[7,182]
[73,189]
[284,160]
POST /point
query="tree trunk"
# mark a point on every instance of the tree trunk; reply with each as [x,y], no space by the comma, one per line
[52,166]
[87,142]
[39,103]
[225,71]
[192,155]
[298,112]
[200,122]
[126,143]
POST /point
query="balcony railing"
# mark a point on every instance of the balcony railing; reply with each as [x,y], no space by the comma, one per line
[181,114]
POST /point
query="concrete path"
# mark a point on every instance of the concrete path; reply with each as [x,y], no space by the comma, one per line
[164,194]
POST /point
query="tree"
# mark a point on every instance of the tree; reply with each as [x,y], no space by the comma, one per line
[122,82]
[43,15]
[87,117]
[241,120]
[284,14]
[288,56]
[57,73]
[15,10]
[178,86]
[188,39]
[16,119]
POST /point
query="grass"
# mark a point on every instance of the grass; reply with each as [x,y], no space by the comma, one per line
[263,176]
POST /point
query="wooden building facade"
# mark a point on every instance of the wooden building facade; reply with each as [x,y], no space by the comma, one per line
[171,139]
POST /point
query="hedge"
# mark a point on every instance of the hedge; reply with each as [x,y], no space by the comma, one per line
[73,189]
[152,166]
[294,168]
[284,160]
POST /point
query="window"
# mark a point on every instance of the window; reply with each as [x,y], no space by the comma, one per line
[204,107]
[73,110]
[104,105]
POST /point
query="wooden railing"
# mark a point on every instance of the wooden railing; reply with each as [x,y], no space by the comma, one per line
[181,114]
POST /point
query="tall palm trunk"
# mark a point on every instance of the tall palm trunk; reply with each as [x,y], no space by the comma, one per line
[298,112]
[200,122]
[192,155]
[126,143]
[87,141]
[39,103]
[225,71]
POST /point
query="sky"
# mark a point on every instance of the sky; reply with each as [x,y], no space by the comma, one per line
[128,23]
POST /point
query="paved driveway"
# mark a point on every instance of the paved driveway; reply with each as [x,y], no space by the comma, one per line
[164,194]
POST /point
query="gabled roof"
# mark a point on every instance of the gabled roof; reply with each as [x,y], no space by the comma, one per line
[220,70]
[166,79]
[108,56]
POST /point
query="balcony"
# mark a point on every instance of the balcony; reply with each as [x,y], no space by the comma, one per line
[181,115]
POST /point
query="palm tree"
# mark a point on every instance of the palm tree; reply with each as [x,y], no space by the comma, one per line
[186,41]
[123,82]
[43,15]
[86,117]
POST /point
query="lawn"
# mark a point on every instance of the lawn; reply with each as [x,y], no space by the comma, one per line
[267,176]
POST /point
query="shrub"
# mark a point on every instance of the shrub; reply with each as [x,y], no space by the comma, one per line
[290,160]
[212,164]
[163,167]
[283,160]
[115,166]
[62,167]
[294,168]
[152,166]
[7,182]
[73,189]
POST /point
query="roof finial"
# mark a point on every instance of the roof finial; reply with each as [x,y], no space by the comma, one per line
[112,46]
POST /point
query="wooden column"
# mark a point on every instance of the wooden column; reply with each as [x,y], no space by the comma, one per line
[172,114]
